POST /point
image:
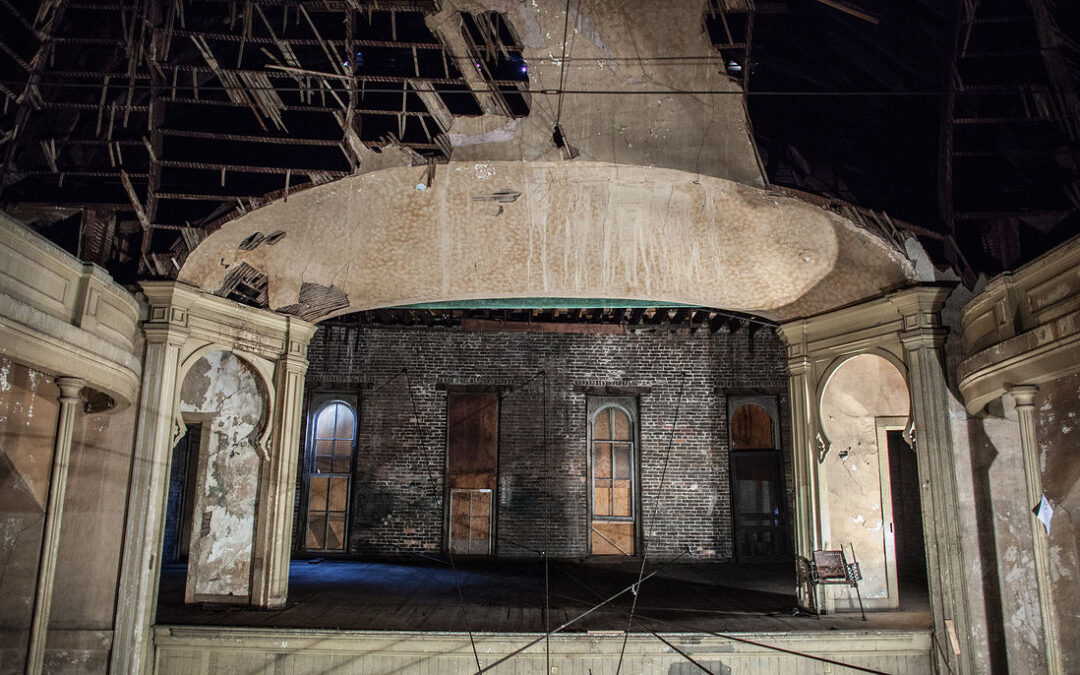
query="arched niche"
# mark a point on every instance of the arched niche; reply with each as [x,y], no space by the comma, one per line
[226,395]
[261,368]
[862,398]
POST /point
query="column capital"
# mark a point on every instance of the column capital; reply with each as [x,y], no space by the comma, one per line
[1024,395]
[70,387]
[927,336]
[799,364]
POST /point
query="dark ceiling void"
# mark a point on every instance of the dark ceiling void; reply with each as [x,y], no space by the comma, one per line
[128,131]
[170,116]
[495,51]
[960,117]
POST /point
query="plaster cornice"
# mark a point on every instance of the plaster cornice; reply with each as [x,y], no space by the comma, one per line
[1023,328]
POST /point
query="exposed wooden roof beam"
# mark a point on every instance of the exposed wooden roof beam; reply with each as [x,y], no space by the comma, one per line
[247,138]
[247,168]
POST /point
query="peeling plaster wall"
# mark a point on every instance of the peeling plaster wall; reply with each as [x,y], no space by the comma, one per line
[224,392]
[545,229]
[861,389]
[28,413]
[88,564]
[1021,621]
[1057,408]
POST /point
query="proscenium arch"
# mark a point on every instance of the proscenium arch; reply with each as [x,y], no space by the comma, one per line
[830,370]
[263,370]
[511,229]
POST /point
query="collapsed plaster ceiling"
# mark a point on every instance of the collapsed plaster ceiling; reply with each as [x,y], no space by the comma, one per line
[579,229]
[131,132]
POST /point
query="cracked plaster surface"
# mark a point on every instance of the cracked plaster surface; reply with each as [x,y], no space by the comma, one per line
[578,229]
[663,200]
[225,388]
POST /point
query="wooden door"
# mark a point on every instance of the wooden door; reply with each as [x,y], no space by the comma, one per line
[757,499]
[471,469]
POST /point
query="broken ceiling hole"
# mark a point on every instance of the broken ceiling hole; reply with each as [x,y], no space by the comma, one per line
[245,285]
[495,51]
[97,402]
[274,237]
[316,301]
[728,25]
[252,241]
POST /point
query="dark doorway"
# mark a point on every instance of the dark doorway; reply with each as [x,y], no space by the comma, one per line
[757,496]
[907,514]
[180,510]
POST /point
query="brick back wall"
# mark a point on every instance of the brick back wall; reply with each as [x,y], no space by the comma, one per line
[402,373]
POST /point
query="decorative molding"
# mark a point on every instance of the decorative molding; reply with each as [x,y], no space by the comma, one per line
[823,447]
[1023,327]
[63,317]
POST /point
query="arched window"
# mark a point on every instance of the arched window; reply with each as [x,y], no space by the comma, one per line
[751,428]
[329,472]
[613,462]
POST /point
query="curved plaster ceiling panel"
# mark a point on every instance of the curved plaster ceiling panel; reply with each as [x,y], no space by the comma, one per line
[489,230]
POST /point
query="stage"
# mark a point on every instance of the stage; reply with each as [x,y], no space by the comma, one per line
[418,616]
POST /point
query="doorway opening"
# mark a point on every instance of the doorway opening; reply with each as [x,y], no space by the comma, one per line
[907,522]
[471,470]
[757,502]
[180,509]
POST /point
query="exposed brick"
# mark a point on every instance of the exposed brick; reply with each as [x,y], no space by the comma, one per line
[398,488]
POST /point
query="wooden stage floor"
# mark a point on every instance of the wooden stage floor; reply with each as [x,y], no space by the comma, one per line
[508,596]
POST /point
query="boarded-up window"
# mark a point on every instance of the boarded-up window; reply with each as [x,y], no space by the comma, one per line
[751,428]
[472,456]
[329,477]
[612,440]
[470,521]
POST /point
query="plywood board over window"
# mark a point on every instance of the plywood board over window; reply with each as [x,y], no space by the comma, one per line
[472,458]
[613,468]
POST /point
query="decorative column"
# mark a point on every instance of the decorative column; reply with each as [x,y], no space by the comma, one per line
[166,330]
[923,338]
[804,465]
[1025,409]
[270,569]
[54,512]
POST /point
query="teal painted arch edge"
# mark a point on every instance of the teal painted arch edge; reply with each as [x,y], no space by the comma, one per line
[542,303]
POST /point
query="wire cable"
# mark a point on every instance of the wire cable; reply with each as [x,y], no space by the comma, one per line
[656,509]
[562,65]
[577,618]
[449,549]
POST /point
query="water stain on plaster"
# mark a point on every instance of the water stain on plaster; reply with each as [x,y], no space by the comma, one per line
[577,230]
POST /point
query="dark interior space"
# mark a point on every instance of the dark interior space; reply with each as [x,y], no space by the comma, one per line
[907,515]
[180,508]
